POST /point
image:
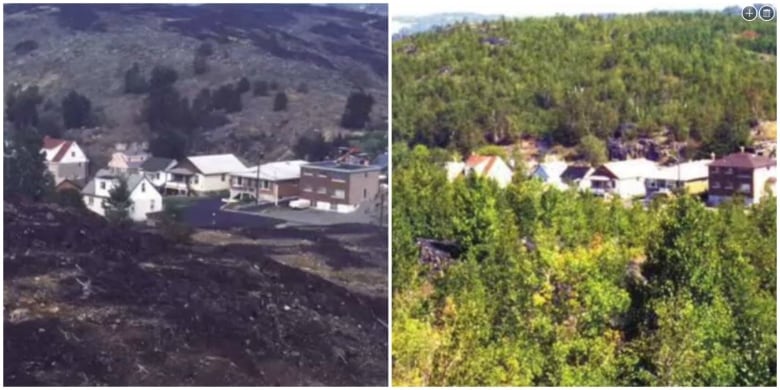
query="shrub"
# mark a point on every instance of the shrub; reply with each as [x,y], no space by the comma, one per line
[280,101]
[135,81]
[75,110]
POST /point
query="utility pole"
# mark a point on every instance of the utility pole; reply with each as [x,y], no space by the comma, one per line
[257,181]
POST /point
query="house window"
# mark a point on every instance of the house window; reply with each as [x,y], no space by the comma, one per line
[239,180]
[223,177]
[322,190]
[151,205]
[265,184]
[744,188]
[194,180]
[102,185]
[365,193]
[339,194]
[307,189]
[73,154]
[90,200]
[306,173]
[323,176]
[157,176]
[715,184]
[143,187]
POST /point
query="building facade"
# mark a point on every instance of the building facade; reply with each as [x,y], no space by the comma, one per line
[65,160]
[740,174]
[338,187]
[274,182]
[144,196]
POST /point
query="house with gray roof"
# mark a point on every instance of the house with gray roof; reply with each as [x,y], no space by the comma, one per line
[144,196]
[156,170]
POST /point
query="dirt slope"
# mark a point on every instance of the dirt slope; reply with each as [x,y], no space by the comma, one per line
[88,304]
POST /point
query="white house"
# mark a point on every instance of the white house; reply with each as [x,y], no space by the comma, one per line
[550,173]
[577,176]
[65,160]
[203,174]
[492,167]
[156,170]
[689,177]
[144,196]
[625,179]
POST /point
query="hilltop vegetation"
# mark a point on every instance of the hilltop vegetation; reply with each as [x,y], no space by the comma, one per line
[562,289]
[248,79]
[701,77]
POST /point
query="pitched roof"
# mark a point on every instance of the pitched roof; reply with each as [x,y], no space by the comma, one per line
[89,189]
[51,143]
[575,172]
[63,150]
[280,170]
[217,163]
[157,164]
[57,146]
[133,180]
[639,167]
[481,164]
[553,169]
[743,160]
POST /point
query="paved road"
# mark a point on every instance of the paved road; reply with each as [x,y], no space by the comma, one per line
[206,213]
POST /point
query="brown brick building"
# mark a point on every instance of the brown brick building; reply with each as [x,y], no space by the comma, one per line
[742,174]
[334,186]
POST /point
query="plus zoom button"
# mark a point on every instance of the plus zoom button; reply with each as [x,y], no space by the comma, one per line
[749,13]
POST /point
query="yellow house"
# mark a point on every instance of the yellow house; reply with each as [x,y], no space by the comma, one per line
[690,177]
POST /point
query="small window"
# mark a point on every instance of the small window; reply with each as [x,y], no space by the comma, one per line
[223,177]
[322,190]
[365,193]
[102,185]
[151,205]
[307,189]
[339,194]
[715,184]
[143,187]
[73,154]
[239,180]
[157,176]
[194,180]
[90,200]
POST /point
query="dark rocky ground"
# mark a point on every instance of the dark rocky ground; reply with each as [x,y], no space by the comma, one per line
[331,50]
[91,304]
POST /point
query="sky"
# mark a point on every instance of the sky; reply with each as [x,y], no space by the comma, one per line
[549,8]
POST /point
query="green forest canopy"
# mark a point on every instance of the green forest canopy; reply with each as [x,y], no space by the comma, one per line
[562,288]
[695,74]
